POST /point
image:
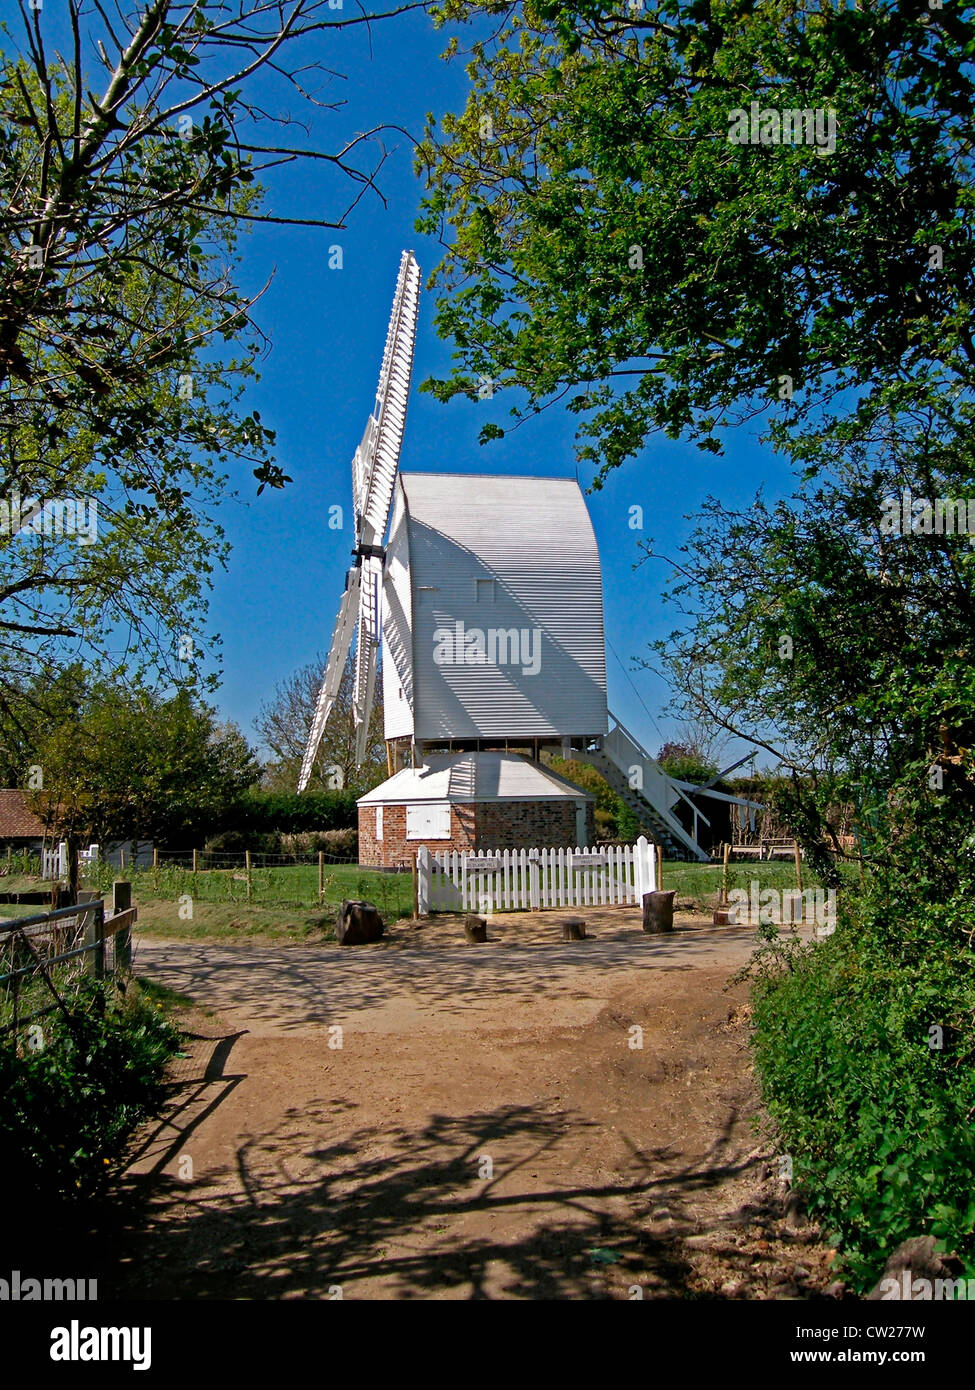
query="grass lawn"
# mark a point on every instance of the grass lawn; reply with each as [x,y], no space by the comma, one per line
[283,903]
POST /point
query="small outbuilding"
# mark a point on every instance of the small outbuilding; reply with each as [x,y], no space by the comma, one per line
[468,802]
[20,830]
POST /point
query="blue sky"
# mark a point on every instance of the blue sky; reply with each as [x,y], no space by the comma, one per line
[276,605]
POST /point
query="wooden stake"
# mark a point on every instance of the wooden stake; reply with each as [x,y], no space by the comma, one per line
[155,857]
[247,866]
[798,866]
[724,874]
[194,861]
[94,939]
[121,902]
[660,868]
[321,876]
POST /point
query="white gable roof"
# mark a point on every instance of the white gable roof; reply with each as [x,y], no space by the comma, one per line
[467,777]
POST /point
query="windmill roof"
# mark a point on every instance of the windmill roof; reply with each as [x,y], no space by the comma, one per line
[428,492]
[466,777]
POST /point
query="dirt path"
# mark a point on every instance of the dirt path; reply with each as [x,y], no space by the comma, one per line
[488,1127]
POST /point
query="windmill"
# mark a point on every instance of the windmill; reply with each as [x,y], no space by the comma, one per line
[487,599]
[373,478]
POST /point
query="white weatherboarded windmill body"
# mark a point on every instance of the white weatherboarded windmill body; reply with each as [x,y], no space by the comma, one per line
[487,601]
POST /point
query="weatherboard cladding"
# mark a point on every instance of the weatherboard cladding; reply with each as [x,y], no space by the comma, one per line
[533,538]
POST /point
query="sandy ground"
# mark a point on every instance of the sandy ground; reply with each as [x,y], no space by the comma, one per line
[521,1119]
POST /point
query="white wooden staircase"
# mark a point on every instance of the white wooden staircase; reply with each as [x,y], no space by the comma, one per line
[642,784]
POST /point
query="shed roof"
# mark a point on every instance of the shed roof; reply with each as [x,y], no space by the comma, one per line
[467,777]
[16,821]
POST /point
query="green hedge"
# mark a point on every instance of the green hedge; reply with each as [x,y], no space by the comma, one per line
[266,813]
[68,1109]
[874,1104]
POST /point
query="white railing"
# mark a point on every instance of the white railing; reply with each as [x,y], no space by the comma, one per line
[506,880]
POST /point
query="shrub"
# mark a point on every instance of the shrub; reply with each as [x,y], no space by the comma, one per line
[871,1101]
[237,841]
[69,1109]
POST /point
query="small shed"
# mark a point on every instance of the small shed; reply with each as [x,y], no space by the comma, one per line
[20,830]
[468,802]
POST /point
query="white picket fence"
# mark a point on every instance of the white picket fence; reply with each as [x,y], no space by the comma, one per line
[54,862]
[505,880]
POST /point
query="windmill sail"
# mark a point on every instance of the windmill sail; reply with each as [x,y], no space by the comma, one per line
[337,656]
[373,479]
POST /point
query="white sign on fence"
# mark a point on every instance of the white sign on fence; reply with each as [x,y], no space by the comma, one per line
[449,881]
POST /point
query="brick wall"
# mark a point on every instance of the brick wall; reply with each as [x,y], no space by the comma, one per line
[530,824]
[481,825]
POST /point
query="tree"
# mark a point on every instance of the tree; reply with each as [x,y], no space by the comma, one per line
[284,722]
[128,168]
[129,765]
[844,648]
[686,763]
[608,244]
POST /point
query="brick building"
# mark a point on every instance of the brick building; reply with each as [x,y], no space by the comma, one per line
[471,802]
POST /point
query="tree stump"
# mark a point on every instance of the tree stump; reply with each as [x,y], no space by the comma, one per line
[573,928]
[358,923]
[475,928]
[658,911]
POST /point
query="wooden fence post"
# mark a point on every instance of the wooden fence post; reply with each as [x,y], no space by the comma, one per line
[321,877]
[725,851]
[155,857]
[121,902]
[247,868]
[94,958]
[660,868]
[194,861]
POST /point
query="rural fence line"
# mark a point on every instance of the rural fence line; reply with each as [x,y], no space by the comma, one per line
[32,949]
[559,876]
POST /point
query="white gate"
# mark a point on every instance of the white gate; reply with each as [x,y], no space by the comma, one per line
[54,862]
[505,880]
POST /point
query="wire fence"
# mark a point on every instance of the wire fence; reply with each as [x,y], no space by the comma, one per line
[205,860]
[16,864]
[311,880]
